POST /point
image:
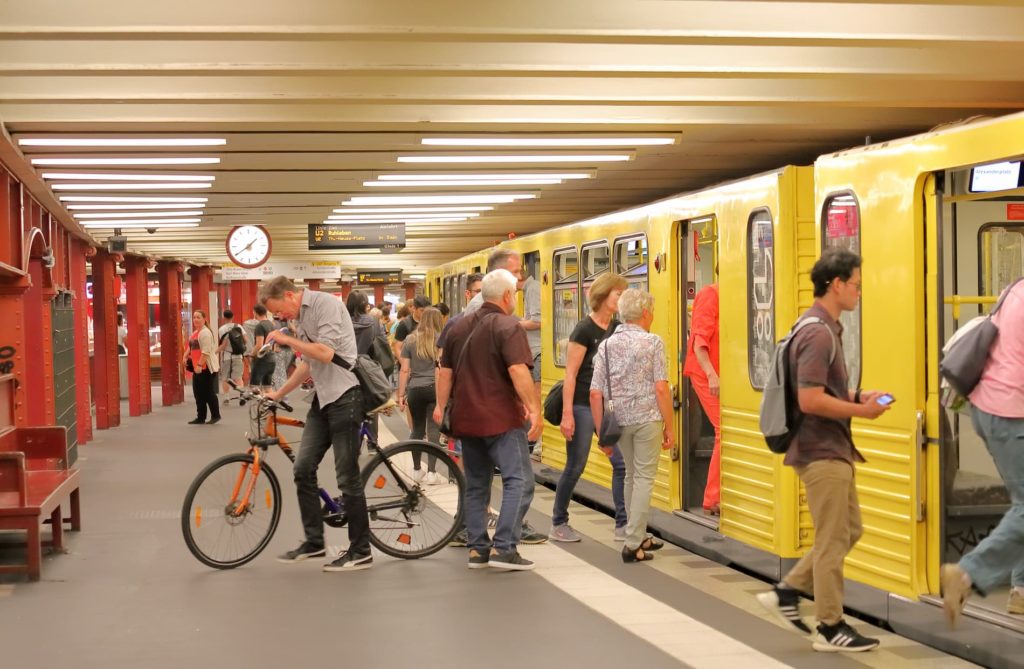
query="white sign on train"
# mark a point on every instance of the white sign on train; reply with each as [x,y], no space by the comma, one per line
[320,269]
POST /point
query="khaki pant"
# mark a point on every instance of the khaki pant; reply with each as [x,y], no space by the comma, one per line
[641,449]
[832,498]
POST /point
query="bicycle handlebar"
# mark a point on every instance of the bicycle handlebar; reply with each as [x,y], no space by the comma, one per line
[247,394]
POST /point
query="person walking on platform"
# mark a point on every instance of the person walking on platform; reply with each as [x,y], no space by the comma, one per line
[997,412]
[630,373]
[824,456]
[577,420]
[485,372]
[229,336]
[531,323]
[323,329]
[262,373]
[416,389]
[201,359]
[702,367]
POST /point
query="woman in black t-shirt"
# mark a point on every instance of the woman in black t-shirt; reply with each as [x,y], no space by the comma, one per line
[577,421]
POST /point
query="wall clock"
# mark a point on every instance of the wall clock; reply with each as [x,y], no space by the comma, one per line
[248,246]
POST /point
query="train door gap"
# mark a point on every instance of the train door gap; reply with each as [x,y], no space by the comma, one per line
[698,254]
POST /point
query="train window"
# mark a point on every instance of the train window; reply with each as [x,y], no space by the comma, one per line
[761,289]
[596,261]
[631,260]
[459,298]
[1001,256]
[566,303]
[842,230]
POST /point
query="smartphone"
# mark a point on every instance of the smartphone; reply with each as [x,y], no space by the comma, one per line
[886,399]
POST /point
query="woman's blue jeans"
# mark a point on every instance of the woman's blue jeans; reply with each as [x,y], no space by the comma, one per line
[577,450]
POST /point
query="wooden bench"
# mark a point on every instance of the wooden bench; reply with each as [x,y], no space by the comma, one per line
[34,481]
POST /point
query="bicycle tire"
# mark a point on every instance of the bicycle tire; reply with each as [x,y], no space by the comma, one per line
[268,496]
[437,508]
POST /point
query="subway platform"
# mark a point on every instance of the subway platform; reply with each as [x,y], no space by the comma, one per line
[127,593]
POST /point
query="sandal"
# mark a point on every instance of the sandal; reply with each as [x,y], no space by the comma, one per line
[652,544]
[635,555]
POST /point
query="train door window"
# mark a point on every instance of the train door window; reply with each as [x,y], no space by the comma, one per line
[761,291]
[631,260]
[1001,257]
[565,302]
[459,298]
[841,227]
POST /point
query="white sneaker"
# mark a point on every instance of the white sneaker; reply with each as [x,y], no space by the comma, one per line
[433,478]
[418,475]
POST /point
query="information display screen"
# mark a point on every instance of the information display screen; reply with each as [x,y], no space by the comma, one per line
[996,177]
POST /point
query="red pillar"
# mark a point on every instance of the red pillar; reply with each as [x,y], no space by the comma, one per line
[78,252]
[172,344]
[243,298]
[314,284]
[140,394]
[202,284]
[12,346]
[104,323]
[38,347]
[224,297]
[410,291]
[378,294]
[346,289]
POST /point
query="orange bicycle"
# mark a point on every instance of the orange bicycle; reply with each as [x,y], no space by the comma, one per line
[233,506]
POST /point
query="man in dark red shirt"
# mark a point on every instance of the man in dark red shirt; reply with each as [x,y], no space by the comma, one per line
[485,373]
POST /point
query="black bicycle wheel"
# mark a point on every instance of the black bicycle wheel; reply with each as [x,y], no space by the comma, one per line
[414,492]
[216,534]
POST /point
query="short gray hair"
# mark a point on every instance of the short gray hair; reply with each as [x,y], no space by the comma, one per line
[500,259]
[275,289]
[632,303]
[497,283]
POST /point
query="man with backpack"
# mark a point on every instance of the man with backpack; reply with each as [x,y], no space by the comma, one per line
[232,347]
[821,450]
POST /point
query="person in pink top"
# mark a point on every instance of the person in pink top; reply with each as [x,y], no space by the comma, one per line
[997,412]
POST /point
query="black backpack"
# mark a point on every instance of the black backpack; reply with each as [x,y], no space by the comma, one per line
[236,338]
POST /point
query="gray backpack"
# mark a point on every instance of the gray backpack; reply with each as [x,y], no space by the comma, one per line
[780,410]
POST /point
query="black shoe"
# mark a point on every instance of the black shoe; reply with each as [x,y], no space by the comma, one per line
[214,421]
[636,555]
[196,421]
[348,561]
[841,638]
[509,560]
[531,536]
[304,551]
[784,604]
[478,560]
[460,540]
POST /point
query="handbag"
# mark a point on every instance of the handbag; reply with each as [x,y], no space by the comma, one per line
[553,404]
[446,417]
[968,350]
[375,385]
[380,350]
[610,431]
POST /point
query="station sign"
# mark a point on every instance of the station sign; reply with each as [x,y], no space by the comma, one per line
[381,277]
[320,269]
[333,236]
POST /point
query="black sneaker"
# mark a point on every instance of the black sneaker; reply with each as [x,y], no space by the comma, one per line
[531,536]
[841,638]
[350,562]
[510,560]
[478,560]
[784,604]
[304,551]
[460,540]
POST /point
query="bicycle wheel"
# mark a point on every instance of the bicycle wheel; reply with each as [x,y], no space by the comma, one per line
[414,493]
[215,532]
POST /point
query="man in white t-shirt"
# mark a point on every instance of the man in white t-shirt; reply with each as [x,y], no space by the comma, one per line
[230,362]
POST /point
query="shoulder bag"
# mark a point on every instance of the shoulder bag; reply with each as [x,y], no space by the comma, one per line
[446,419]
[610,431]
[553,404]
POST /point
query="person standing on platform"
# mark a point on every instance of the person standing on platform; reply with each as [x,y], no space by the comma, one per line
[485,370]
[473,287]
[122,334]
[417,389]
[531,323]
[323,329]
[201,360]
[577,420]
[824,456]
[408,325]
[230,362]
[997,413]
[702,367]
[262,373]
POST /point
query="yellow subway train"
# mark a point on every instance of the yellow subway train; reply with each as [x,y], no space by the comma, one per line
[939,221]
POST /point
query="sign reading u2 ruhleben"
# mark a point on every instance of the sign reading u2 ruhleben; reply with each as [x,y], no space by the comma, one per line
[356,236]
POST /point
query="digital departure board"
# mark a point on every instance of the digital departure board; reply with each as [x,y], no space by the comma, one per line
[327,236]
[379,276]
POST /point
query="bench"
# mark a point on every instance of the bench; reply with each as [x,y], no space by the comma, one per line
[34,481]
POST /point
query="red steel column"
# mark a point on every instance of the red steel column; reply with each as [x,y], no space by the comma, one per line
[78,251]
[140,393]
[202,284]
[38,349]
[104,324]
[378,295]
[410,290]
[243,298]
[172,344]
[314,284]
[346,289]
[12,344]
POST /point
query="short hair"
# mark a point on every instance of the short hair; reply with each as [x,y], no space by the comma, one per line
[385,309]
[403,312]
[500,259]
[228,314]
[497,283]
[834,263]
[603,287]
[375,313]
[421,302]
[357,303]
[443,308]
[473,278]
[276,288]
[632,303]
[259,310]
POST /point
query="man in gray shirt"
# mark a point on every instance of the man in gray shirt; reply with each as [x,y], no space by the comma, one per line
[324,328]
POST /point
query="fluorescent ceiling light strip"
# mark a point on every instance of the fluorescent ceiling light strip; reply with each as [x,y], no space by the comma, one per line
[109,225]
[127,198]
[143,222]
[139,186]
[550,158]
[438,199]
[468,177]
[97,162]
[128,177]
[411,210]
[137,214]
[111,207]
[121,141]
[400,219]
[548,141]
[370,217]
[471,182]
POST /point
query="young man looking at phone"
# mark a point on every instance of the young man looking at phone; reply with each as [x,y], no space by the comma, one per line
[823,454]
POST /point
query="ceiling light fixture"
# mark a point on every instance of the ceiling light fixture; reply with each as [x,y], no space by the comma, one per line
[467,177]
[137,221]
[411,210]
[548,158]
[139,186]
[548,141]
[98,162]
[137,214]
[111,207]
[144,224]
[399,219]
[370,217]
[127,198]
[438,199]
[129,177]
[105,141]
[466,182]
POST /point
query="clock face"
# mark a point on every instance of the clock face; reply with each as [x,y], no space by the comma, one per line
[248,245]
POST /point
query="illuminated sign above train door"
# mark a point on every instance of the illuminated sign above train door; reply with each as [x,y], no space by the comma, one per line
[379,276]
[330,236]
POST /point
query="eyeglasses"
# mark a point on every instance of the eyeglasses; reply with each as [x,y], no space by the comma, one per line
[475,291]
[855,285]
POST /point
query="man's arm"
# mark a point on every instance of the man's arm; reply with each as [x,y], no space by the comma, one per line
[300,374]
[442,392]
[523,382]
[320,352]
[815,401]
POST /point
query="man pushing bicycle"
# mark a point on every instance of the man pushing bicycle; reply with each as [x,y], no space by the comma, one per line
[324,328]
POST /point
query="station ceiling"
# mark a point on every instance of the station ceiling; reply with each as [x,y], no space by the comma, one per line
[315,98]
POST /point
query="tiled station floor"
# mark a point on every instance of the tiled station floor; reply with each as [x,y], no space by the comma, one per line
[127,593]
